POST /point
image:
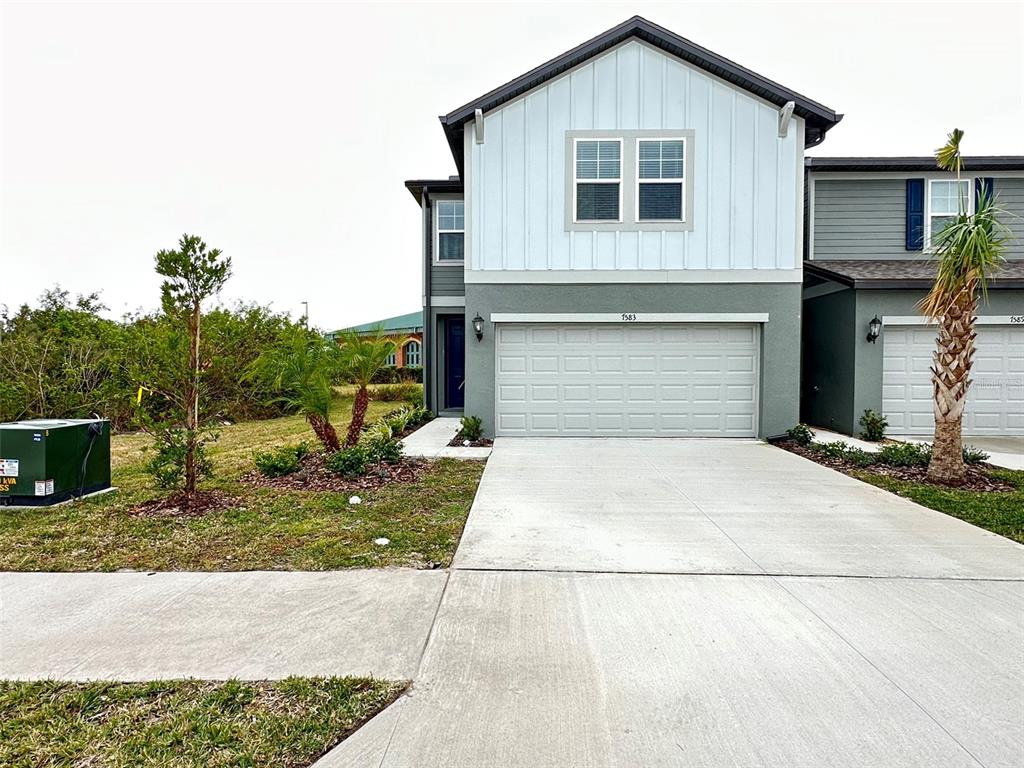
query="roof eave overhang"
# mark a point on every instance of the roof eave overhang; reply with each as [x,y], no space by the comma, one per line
[819,118]
[896,284]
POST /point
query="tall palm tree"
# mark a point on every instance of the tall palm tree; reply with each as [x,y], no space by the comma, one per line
[302,370]
[361,358]
[968,249]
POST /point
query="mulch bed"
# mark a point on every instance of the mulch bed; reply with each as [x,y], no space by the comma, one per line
[203,503]
[458,442]
[977,478]
[314,476]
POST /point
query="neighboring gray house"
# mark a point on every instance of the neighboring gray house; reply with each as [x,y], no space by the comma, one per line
[870,221]
[622,250]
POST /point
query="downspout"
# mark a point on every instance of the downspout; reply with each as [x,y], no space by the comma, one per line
[428,320]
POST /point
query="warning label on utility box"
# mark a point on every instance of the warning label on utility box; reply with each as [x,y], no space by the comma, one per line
[44,487]
[8,467]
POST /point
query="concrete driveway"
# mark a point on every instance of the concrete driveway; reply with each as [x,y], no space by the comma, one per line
[709,603]
[708,506]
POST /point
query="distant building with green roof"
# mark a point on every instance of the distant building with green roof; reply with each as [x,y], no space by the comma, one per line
[402,327]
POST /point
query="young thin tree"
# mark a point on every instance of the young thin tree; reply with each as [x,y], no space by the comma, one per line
[967,250]
[302,369]
[191,275]
[362,357]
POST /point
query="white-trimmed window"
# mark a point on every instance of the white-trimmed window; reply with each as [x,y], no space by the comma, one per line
[412,353]
[660,179]
[451,230]
[945,201]
[597,178]
[391,360]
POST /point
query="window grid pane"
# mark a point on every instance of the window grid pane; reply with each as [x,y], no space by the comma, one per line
[450,246]
[451,215]
[598,160]
[661,202]
[661,159]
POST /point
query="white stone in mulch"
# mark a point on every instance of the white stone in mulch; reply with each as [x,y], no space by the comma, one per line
[431,442]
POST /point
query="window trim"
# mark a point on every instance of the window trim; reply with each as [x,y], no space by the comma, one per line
[393,357]
[576,180]
[969,181]
[681,181]
[628,220]
[436,216]
[418,351]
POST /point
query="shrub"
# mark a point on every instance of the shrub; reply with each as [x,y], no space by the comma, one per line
[873,426]
[801,434]
[280,461]
[389,393]
[974,455]
[380,429]
[170,451]
[905,455]
[472,428]
[840,451]
[379,448]
[349,462]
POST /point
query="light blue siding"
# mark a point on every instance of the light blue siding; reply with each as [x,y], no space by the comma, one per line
[747,181]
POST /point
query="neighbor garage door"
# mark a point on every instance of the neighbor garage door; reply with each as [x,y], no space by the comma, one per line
[608,379]
[995,401]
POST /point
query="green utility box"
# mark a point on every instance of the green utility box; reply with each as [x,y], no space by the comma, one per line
[46,461]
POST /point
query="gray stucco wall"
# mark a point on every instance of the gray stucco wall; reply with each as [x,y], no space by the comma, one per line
[828,350]
[866,218]
[841,320]
[780,340]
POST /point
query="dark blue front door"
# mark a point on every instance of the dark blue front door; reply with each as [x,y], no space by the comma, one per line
[454,361]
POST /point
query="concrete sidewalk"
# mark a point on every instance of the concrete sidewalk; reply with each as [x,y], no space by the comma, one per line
[254,625]
[431,442]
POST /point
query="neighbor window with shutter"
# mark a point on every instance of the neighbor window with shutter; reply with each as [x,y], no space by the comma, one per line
[660,179]
[598,180]
[945,201]
[451,231]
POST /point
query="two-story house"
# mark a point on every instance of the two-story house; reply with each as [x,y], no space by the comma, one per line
[865,345]
[621,252]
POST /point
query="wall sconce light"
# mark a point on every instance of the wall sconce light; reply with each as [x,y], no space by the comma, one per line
[478,326]
[874,328]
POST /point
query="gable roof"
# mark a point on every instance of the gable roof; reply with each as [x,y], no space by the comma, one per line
[819,117]
[399,324]
[975,163]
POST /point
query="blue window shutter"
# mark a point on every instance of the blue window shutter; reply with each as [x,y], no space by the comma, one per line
[981,186]
[915,214]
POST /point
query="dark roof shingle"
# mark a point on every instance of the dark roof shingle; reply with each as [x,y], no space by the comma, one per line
[900,273]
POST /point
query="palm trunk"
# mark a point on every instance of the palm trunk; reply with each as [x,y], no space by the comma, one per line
[325,432]
[192,404]
[951,371]
[358,416]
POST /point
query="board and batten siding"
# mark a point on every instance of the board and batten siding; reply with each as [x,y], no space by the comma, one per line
[747,183]
[865,218]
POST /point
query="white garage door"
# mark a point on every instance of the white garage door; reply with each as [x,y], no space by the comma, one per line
[995,401]
[606,380]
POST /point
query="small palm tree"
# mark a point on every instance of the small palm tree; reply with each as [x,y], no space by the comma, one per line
[302,370]
[361,358]
[968,249]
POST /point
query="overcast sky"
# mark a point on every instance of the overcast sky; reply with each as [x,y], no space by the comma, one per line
[282,133]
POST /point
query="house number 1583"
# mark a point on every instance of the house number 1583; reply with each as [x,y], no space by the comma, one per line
[629,317]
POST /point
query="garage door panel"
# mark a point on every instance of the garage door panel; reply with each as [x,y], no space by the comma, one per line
[995,400]
[653,380]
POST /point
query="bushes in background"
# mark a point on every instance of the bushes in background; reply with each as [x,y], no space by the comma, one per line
[281,461]
[407,392]
[390,374]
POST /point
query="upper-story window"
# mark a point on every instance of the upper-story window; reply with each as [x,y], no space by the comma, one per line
[945,201]
[629,180]
[412,353]
[598,180]
[451,230]
[660,180]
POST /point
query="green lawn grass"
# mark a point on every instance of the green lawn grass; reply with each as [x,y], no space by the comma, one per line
[999,512]
[269,529]
[183,723]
